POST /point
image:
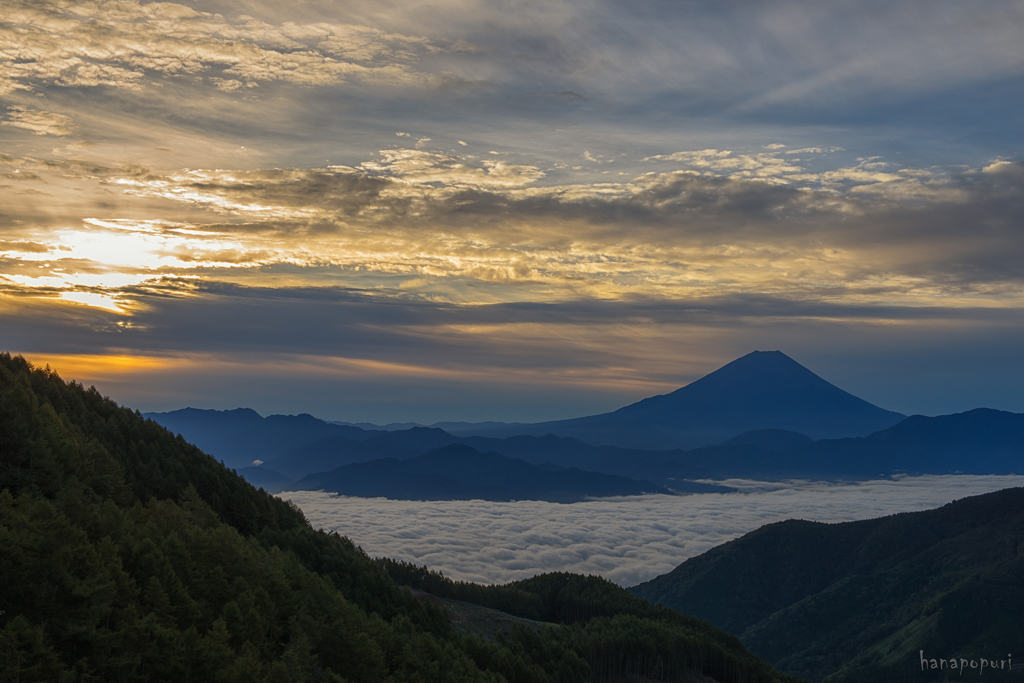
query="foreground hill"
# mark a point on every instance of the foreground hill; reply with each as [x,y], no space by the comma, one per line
[858,601]
[130,555]
[762,390]
[458,472]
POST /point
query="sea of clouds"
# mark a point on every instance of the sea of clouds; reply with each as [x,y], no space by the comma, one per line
[626,540]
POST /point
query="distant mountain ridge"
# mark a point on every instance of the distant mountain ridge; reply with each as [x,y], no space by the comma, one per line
[458,472]
[981,441]
[357,462]
[238,437]
[761,390]
[452,427]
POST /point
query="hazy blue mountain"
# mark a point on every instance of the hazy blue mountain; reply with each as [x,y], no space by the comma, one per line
[547,452]
[762,390]
[370,426]
[776,439]
[857,601]
[782,406]
[451,427]
[416,440]
[980,441]
[458,472]
[331,453]
[237,437]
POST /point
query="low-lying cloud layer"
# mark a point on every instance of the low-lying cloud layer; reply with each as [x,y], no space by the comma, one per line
[626,540]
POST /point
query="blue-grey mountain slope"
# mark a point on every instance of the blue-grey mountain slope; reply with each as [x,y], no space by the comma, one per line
[981,441]
[762,390]
[458,472]
[238,437]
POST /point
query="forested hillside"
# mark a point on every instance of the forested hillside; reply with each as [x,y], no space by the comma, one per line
[130,555]
[617,633]
[858,602]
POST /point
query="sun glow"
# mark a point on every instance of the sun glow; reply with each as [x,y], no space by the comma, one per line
[92,367]
[93,299]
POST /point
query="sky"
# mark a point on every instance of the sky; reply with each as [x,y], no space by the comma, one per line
[626,540]
[511,210]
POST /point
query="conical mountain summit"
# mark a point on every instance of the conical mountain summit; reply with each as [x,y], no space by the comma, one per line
[761,390]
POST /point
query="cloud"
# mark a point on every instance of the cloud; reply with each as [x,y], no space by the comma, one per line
[815,150]
[418,166]
[351,354]
[169,167]
[23,247]
[39,122]
[483,231]
[626,540]
[763,165]
[120,44]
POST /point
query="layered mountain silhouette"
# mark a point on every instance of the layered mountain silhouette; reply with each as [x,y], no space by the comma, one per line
[769,411]
[980,441]
[859,601]
[548,454]
[762,390]
[238,437]
[403,464]
[458,472]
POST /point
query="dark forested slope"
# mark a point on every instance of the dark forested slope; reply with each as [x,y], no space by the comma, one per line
[619,635]
[858,601]
[130,555]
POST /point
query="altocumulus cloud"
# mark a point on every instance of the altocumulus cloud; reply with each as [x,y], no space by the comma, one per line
[856,231]
[39,122]
[715,177]
[121,44]
[626,540]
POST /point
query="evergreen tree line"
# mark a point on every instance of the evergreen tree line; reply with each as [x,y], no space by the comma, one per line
[616,633]
[130,555]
